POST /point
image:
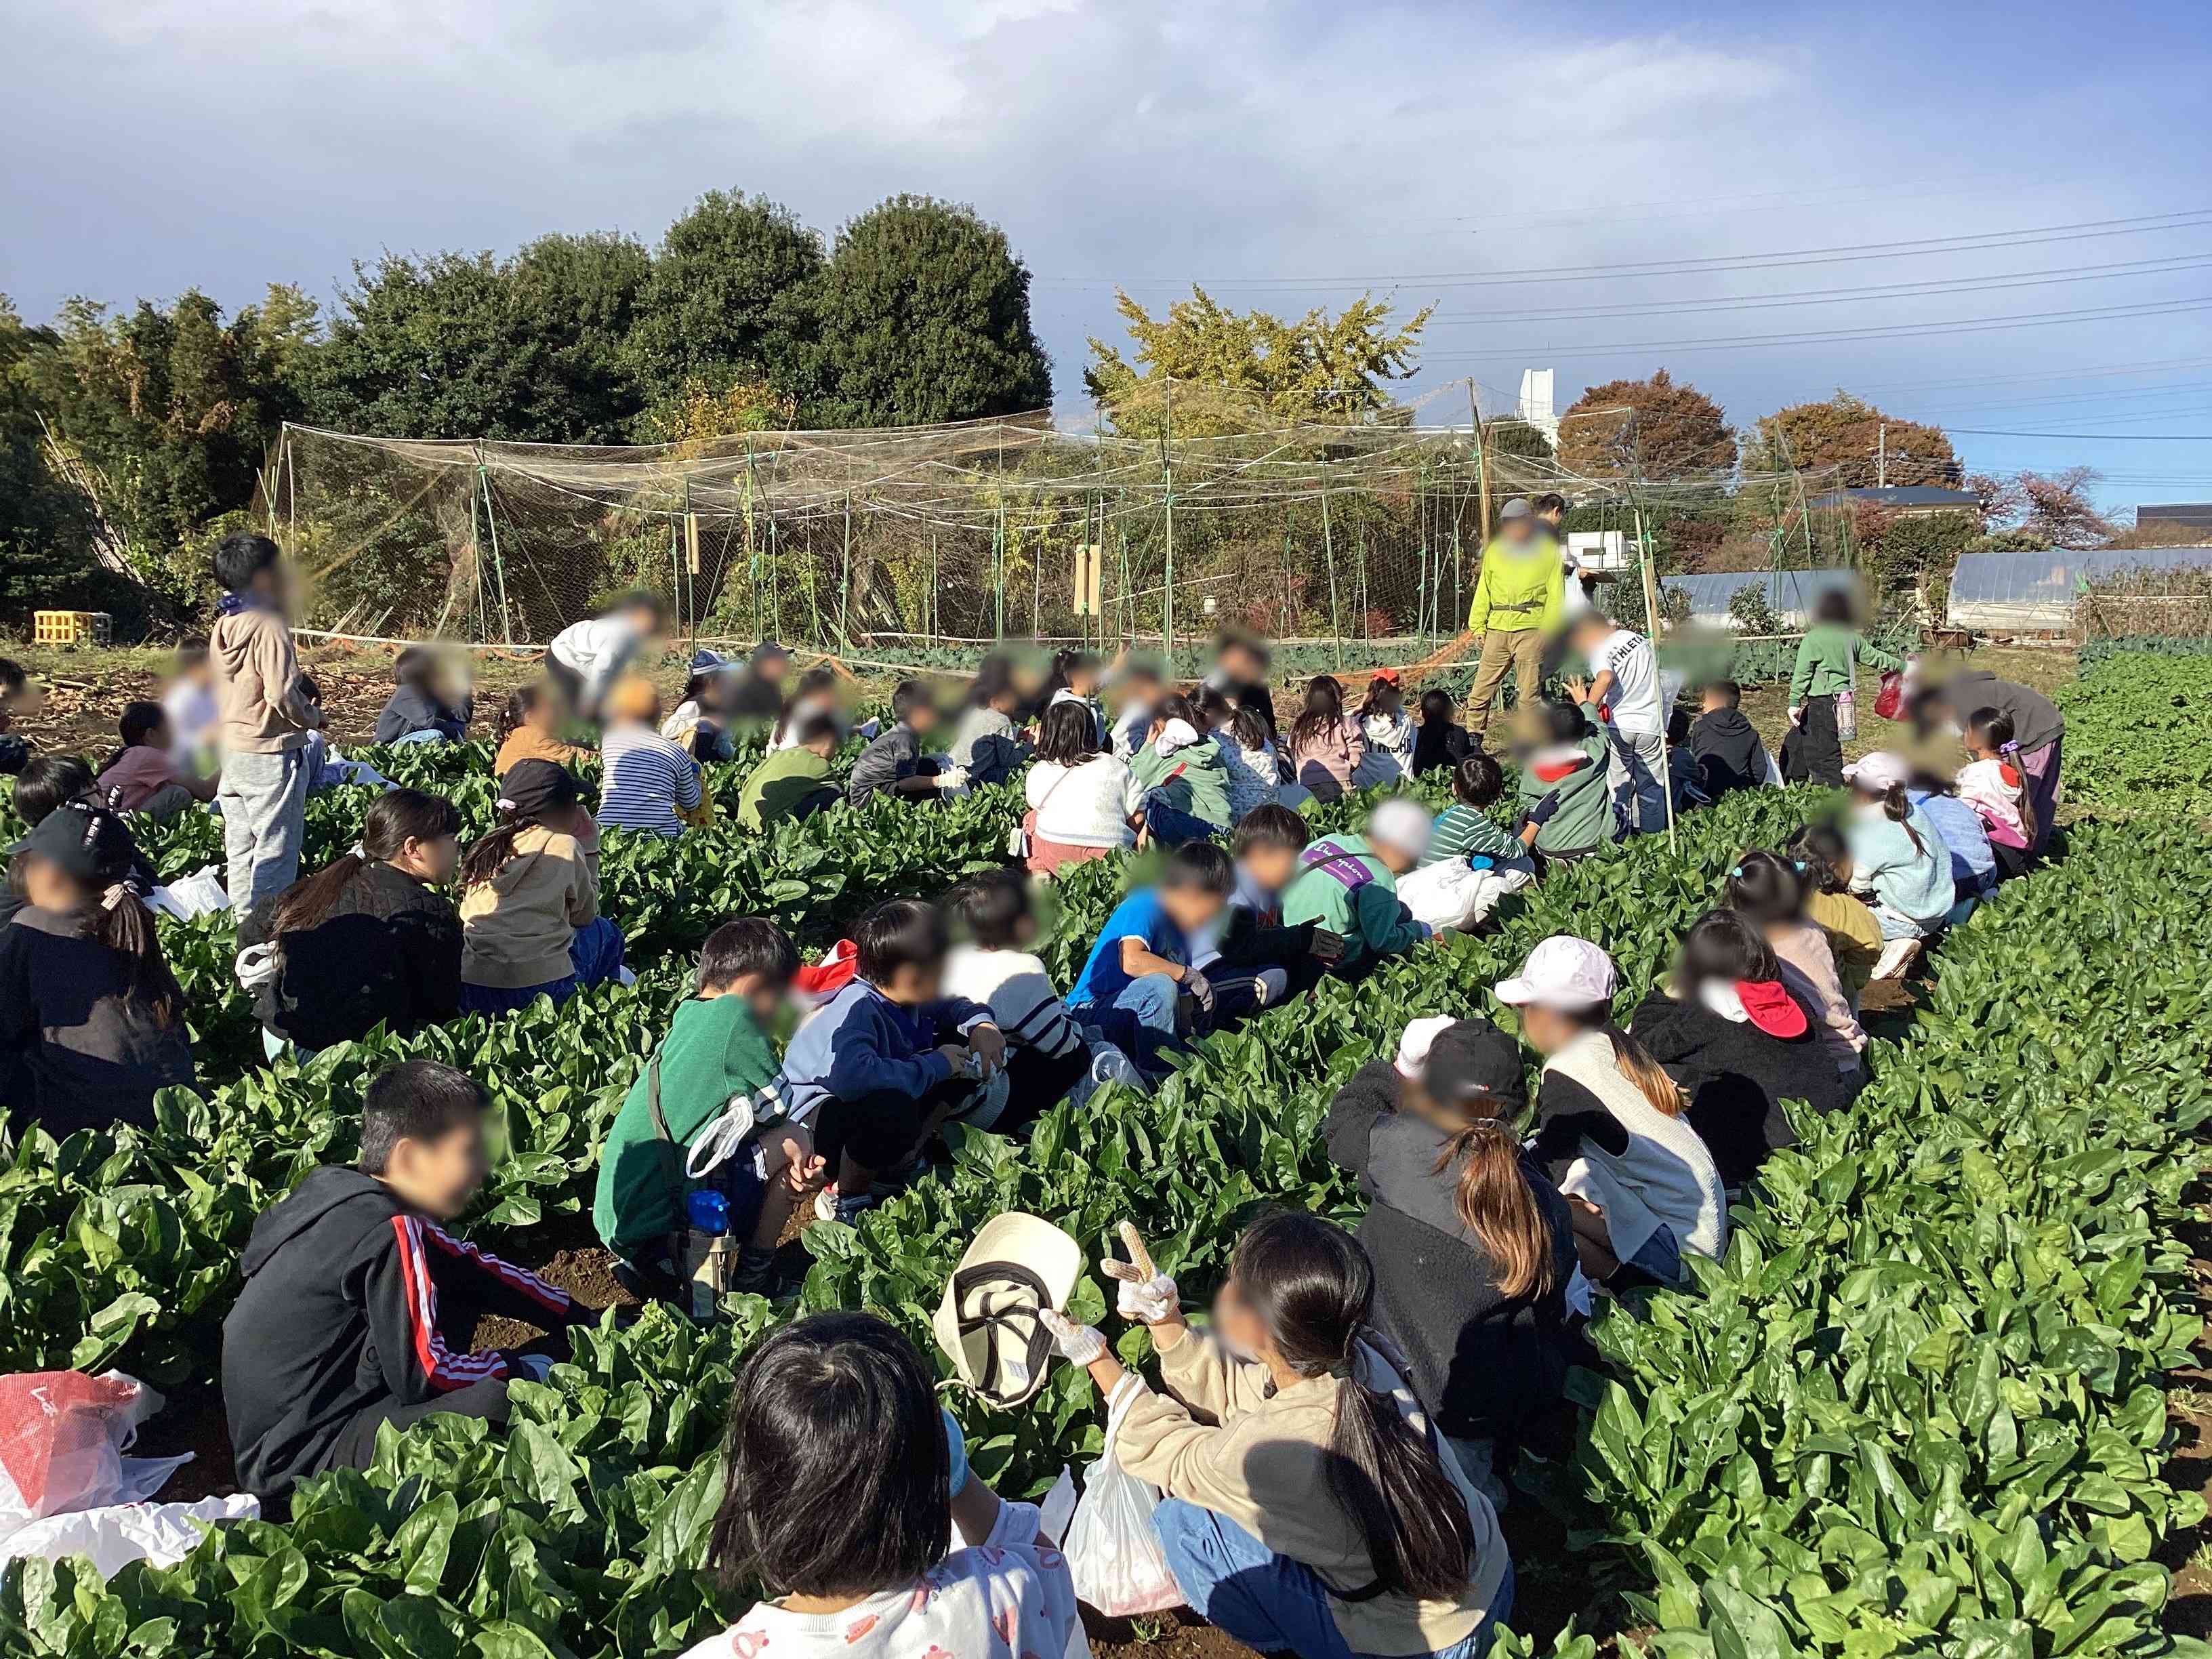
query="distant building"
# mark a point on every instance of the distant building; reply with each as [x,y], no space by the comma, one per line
[2190,515]
[1912,501]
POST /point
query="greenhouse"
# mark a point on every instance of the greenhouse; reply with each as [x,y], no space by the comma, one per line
[2042,593]
[1790,594]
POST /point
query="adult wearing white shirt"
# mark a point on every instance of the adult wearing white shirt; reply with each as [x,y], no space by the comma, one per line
[1082,803]
[189,705]
[585,657]
[1627,692]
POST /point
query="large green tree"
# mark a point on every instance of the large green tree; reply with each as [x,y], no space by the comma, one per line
[1661,428]
[729,301]
[166,413]
[45,547]
[1862,444]
[1207,369]
[457,345]
[923,312]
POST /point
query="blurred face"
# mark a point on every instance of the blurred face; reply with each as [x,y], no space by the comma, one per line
[1239,664]
[1191,907]
[48,886]
[1712,703]
[432,861]
[922,717]
[1516,531]
[1026,931]
[1236,1325]
[273,585]
[1589,631]
[161,737]
[914,983]
[1547,1030]
[1388,697]
[1272,866]
[1415,1100]
[440,1177]
[1396,859]
[773,669]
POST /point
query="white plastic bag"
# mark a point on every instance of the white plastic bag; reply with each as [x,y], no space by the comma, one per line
[117,1535]
[62,1438]
[1452,893]
[1113,1551]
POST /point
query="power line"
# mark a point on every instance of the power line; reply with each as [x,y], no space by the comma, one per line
[1895,331]
[2087,230]
[2107,437]
[1829,296]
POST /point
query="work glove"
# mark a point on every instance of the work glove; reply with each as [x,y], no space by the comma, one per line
[1200,990]
[1143,1293]
[1079,1344]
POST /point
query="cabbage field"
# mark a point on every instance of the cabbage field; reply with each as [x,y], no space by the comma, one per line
[1919,1407]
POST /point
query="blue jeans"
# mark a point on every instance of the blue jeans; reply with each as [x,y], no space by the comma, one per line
[1140,1022]
[1269,1602]
[428,734]
[1170,825]
[595,953]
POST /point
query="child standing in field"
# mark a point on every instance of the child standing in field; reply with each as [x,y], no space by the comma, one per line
[1625,694]
[1898,860]
[586,658]
[1131,986]
[531,925]
[1327,745]
[857,1551]
[1995,786]
[707,1111]
[1643,1186]
[144,776]
[267,718]
[1823,674]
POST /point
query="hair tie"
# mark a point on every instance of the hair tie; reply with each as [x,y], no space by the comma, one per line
[2012,748]
[1735,870]
[1341,1371]
[356,851]
[116,893]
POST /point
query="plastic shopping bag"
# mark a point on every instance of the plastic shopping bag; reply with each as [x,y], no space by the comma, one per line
[199,894]
[62,1438]
[1889,701]
[1454,893]
[1112,1549]
[117,1535]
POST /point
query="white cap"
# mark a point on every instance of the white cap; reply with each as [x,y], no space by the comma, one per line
[1402,823]
[1878,771]
[1562,972]
[1420,1035]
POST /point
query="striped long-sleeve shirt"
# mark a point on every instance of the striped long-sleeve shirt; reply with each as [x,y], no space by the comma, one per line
[647,779]
[1462,831]
[1014,987]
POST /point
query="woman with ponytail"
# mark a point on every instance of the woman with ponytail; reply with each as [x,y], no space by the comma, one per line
[366,940]
[1900,862]
[92,1022]
[1613,1125]
[1310,1504]
[1472,1243]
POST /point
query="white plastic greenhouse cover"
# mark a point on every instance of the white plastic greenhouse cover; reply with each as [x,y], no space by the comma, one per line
[1790,594]
[2038,591]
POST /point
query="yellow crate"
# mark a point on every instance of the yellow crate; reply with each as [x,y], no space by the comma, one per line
[70,627]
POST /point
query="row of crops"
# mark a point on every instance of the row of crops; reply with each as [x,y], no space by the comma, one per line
[1917,1408]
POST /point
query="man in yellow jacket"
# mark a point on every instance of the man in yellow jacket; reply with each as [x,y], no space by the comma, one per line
[1516,606]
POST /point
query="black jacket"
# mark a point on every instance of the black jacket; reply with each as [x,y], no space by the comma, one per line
[76,1051]
[410,708]
[752,700]
[1483,1363]
[1440,747]
[353,1301]
[389,949]
[1728,753]
[1249,694]
[1737,1077]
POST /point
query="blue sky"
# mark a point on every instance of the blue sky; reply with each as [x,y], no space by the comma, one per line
[1289,155]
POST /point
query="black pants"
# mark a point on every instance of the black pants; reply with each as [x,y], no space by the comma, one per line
[1813,752]
[879,1131]
[356,1446]
[2011,860]
[1035,1083]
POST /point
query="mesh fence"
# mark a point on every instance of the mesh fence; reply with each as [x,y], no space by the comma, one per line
[918,545]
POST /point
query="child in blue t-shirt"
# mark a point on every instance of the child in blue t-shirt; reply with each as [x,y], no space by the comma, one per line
[1132,986]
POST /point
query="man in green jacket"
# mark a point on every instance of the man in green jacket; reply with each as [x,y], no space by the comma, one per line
[1518,594]
[1349,885]
[792,782]
[709,1101]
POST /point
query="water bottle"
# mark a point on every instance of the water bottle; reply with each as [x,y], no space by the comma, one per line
[1847,715]
[707,1250]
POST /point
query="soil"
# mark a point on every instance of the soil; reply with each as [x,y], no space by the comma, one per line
[2188,1554]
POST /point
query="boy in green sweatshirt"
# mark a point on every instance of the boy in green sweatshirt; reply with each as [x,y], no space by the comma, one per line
[1566,810]
[707,1101]
[1349,885]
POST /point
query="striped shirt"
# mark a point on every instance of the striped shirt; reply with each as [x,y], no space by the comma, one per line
[1013,986]
[1461,831]
[646,780]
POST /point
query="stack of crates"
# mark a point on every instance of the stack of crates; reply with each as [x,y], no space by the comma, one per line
[71,626]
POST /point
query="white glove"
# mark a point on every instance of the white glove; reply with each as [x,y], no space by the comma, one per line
[1079,1344]
[952,777]
[1200,988]
[1145,1301]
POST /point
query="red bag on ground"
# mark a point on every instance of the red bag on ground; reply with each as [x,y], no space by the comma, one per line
[1889,701]
[61,1438]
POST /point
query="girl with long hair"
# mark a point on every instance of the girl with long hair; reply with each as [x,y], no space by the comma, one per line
[1727,1028]
[1078,676]
[531,925]
[1080,797]
[1248,752]
[92,1021]
[1327,744]
[1899,860]
[1293,1420]
[1472,1243]
[1770,892]
[1824,860]
[367,940]
[1387,729]
[1995,786]
[1612,1124]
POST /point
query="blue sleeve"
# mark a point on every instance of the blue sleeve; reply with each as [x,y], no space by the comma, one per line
[951,1013]
[860,1064]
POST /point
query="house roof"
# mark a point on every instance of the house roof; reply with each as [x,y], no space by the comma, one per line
[2187,513]
[1964,501]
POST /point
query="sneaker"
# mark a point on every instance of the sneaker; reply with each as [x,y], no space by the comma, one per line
[1897,956]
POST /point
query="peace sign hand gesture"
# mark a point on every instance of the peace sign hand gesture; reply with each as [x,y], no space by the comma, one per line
[1143,1294]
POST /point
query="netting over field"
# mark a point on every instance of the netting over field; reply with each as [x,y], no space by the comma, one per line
[910,541]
